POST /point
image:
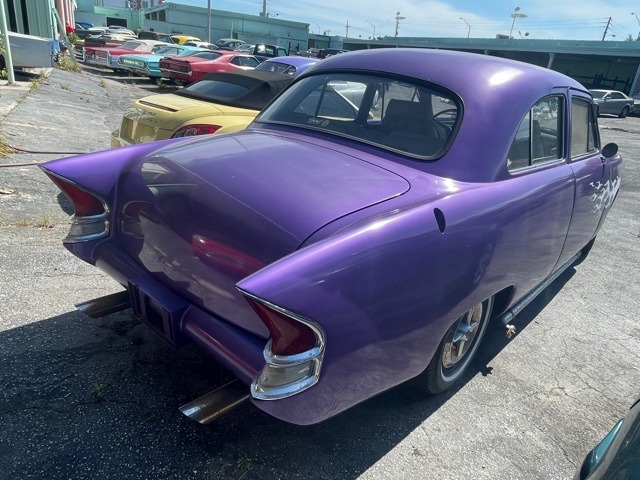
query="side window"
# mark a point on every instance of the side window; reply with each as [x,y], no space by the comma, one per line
[540,135]
[584,129]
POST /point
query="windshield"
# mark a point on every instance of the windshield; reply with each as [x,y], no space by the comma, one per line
[597,94]
[415,119]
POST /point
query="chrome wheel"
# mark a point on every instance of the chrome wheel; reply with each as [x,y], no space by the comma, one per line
[456,350]
[459,339]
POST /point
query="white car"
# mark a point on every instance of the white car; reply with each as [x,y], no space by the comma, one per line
[612,102]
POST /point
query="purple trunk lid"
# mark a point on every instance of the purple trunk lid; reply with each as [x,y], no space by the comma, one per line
[202,222]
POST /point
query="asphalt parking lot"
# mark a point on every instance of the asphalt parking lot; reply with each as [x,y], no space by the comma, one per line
[97,398]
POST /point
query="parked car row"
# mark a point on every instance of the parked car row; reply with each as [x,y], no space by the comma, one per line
[108,57]
[219,103]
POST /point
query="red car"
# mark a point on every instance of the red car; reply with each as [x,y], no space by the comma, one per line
[191,68]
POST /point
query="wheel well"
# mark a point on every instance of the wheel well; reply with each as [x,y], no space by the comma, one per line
[501,301]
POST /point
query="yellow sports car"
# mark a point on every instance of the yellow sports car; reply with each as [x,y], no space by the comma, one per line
[219,103]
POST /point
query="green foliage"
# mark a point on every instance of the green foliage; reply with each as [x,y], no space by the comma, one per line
[73,38]
[65,63]
[97,390]
[243,463]
[4,149]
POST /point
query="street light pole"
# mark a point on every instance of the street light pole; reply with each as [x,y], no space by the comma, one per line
[374,28]
[515,15]
[398,18]
[468,27]
[638,19]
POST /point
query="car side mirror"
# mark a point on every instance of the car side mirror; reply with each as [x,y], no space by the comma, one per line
[609,150]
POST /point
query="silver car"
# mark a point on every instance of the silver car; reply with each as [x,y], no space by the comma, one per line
[636,104]
[612,102]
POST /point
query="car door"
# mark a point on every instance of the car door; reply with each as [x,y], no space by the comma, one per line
[537,162]
[607,104]
[591,174]
[616,102]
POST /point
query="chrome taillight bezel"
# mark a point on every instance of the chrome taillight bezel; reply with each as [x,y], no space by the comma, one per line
[301,369]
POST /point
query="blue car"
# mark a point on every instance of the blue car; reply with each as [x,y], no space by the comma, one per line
[617,456]
[148,65]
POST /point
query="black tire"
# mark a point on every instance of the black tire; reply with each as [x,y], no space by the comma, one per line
[625,111]
[444,370]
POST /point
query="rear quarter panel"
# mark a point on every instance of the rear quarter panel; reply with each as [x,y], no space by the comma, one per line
[387,289]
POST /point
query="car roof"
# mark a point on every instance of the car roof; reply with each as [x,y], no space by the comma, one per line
[495,94]
[261,88]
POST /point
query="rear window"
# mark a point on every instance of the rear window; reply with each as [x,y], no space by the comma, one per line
[169,51]
[207,55]
[130,45]
[412,118]
[277,67]
[215,88]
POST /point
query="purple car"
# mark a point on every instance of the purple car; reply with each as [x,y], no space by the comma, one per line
[290,65]
[360,233]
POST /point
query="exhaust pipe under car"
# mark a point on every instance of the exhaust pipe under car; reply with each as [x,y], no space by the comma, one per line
[216,403]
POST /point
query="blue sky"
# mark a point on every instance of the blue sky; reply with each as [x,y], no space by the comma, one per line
[545,19]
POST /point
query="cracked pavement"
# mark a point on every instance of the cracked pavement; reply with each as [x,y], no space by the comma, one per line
[97,398]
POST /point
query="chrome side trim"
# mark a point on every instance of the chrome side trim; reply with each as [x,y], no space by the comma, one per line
[510,314]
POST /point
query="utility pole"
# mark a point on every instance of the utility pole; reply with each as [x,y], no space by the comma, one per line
[264,8]
[398,18]
[347,35]
[606,29]
[209,21]
[7,45]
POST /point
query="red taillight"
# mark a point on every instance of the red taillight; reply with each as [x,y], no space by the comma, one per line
[191,130]
[84,204]
[288,335]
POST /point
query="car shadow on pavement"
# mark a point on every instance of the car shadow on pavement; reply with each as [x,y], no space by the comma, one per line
[98,398]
